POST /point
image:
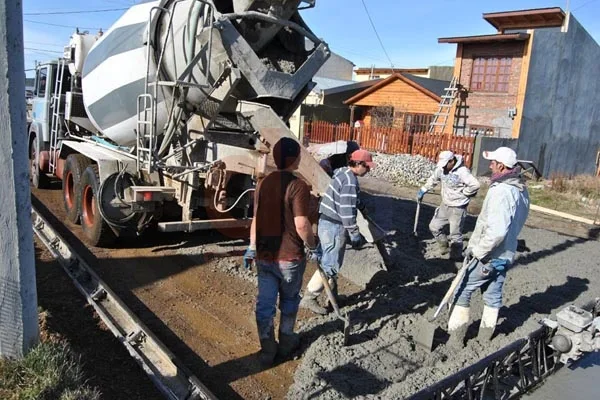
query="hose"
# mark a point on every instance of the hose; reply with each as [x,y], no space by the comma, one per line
[234,204]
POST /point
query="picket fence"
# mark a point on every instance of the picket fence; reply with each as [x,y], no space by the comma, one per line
[391,140]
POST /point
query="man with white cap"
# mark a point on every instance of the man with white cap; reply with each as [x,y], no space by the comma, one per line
[458,186]
[492,246]
[338,210]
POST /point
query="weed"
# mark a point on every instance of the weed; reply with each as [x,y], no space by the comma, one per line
[49,371]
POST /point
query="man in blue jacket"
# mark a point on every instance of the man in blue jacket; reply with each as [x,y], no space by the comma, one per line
[492,247]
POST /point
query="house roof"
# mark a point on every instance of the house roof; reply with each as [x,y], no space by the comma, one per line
[433,88]
[502,37]
[526,19]
[331,86]
[385,71]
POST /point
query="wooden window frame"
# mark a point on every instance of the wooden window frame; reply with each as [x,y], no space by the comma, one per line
[416,122]
[491,81]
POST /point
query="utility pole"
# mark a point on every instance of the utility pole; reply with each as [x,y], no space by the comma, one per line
[19,330]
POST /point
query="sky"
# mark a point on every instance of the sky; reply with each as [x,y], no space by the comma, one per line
[408,29]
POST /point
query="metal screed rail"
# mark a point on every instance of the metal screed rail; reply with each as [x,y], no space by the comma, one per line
[169,375]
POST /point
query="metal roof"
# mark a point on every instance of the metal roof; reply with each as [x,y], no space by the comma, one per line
[330,86]
[499,37]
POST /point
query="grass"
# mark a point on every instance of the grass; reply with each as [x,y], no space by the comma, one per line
[51,371]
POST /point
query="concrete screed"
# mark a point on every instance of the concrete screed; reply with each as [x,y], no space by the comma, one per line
[382,360]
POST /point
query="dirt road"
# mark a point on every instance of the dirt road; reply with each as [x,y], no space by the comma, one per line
[191,291]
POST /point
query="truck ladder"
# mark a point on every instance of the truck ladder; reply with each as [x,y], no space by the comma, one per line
[147,102]
[56,114]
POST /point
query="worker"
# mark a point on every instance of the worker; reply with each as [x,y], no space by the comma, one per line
[335,161]
[281,237]
[492,246]
[337,215]
[458,186]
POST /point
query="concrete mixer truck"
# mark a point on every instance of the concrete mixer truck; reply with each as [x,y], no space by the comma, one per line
[167,118]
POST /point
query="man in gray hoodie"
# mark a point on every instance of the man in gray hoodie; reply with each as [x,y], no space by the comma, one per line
[492,246]
[458,186]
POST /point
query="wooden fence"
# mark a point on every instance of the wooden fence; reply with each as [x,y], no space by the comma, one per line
[391,140]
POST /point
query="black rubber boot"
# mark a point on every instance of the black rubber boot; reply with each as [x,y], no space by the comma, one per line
[456,251]
[268,345]
[288,340]
[309,301]
[334,289]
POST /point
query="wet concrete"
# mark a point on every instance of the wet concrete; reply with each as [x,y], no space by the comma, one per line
[382,360]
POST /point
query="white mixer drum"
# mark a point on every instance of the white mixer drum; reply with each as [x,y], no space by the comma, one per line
[114,74]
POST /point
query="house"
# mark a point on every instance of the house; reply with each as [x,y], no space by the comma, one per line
[433,72]
[533,81]
[325,102]
[401,100]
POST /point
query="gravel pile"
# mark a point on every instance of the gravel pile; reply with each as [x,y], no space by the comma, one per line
[402,169]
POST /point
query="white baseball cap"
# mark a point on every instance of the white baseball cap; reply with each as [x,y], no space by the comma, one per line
[502,155]
[444,157]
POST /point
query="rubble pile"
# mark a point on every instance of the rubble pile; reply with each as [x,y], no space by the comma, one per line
[402,169]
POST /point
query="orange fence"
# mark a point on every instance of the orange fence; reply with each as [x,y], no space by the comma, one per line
[391,140]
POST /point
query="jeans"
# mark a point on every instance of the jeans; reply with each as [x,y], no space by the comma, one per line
[485,277]
[332,239]
[283,279]
[446,215]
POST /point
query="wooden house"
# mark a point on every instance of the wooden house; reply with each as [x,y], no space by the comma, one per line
[402,100]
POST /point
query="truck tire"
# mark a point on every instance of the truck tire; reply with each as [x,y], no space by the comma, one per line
[71,182]
[39,179]
[95,229]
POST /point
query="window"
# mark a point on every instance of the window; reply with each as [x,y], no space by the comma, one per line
[491,74]
[42,74]
[417,123]
[482,130]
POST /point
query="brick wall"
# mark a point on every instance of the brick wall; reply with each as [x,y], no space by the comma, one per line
[491,108]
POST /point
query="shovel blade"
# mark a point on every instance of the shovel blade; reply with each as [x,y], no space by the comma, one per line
[347,327]
[425,333]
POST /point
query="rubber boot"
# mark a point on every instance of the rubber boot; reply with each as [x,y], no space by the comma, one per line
[456,251]
[268,345]
[334,289]
[488,323]
[313,290]
[457,326]
[442,246]
[288,340]
[309,301]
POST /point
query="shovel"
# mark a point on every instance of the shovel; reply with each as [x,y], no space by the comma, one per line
[427,328]
[334,304]
[415,234]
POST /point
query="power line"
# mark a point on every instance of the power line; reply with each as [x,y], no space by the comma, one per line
[45,43]
[377,34]
[43,50]
[77,12]
[61,26]
[584,4]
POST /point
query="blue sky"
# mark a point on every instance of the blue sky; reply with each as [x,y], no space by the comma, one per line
[409,30]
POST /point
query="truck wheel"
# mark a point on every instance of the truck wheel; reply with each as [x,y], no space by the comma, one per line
[71,182]
[39,179]
[96,231]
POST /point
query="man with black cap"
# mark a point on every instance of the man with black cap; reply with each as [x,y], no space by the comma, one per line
[338,210]
[339,160]
[281,237]
[492,247]
[458,186]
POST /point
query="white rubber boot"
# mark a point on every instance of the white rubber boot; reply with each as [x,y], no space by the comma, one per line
[457,326]
[489,319]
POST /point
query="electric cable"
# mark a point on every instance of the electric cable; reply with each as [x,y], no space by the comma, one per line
[77,12]
[62,26]
[377,34]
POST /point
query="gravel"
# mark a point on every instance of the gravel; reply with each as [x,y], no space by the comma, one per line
[402,169]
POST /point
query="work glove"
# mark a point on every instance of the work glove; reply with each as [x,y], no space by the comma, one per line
[468,254]
[357,241]
[315,254]
[249,257]
[420,194]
